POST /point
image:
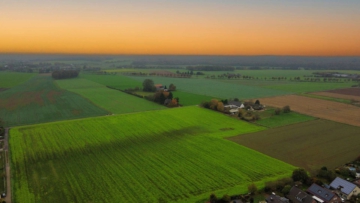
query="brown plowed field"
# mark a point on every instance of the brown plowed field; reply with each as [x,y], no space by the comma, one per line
[336,95]
[355,91]
[339,112]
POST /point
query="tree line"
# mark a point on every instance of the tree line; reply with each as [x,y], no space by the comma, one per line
[64,74]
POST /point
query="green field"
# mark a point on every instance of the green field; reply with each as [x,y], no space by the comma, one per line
[39,100]
[11,79]
[215,88]
[270,120]
[301,87]
[311,144]
[189,99]
[174,155]
[109,99]
[117,81]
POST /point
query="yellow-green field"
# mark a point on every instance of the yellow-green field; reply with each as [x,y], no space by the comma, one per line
[174,155]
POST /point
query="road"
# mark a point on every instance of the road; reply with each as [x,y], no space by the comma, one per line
[6,149]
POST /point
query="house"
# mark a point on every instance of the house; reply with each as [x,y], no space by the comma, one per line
[321,194]
[159,87]
[273,198]
[235,103]
[344,188]
[296,195]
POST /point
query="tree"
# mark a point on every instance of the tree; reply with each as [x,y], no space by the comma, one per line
[300,175]
[213,104]
[172,87]
[252,188]
[286,189]
[277,111]
[213,198]
[286,109]
[170,96]
[220,106]
[148,86]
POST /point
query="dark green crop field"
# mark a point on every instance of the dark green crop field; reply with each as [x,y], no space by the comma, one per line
[39,100]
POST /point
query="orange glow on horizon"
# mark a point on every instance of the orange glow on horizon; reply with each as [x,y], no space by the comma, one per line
[183,35]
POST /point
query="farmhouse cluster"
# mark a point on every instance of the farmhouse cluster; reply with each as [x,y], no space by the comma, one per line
[339,190]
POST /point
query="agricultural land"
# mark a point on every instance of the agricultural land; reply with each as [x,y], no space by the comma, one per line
[112,100]
[12,79]
[175,155]
[310,145]
[39,100]
[270,120]
[215,88]
[335,111]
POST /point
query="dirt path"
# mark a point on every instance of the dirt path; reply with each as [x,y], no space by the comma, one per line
[6,149]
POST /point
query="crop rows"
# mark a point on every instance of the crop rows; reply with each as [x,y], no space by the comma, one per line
[158,156]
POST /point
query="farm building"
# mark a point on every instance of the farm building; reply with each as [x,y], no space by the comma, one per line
[321,194]
[296,195]
[344,188]
[159,87]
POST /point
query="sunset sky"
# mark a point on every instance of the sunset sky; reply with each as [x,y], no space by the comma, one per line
[199,27]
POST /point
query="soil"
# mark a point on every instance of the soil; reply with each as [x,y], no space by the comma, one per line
[339,112]
[355,91]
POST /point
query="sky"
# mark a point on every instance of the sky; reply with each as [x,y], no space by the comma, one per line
[181,27]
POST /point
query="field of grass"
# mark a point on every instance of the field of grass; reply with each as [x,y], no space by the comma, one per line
[109,99]
[11,79]
[302,87]
[174,155]
[215,88]
[117,81]
[270,120]
[311,144]
[189,99]
[39,100]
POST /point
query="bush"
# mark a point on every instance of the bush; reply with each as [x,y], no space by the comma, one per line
[252,188]
[286,109]
[277,111]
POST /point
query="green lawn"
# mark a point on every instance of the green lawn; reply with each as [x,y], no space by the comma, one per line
[174,155]
[12,79]
[39,100]
[269,119]
[112,100]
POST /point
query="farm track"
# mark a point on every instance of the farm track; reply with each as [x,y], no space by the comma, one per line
[339,112]
[8,178]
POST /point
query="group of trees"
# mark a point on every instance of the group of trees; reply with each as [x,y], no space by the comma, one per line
[285,109]
[214,104]
[148,86]
[164,98]
[64,74]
